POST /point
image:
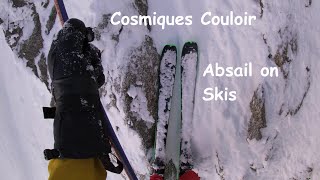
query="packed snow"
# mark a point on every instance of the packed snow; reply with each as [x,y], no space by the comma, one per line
[24,132]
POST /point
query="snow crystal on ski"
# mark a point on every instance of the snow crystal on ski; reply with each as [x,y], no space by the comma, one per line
[167,75]
[188,77]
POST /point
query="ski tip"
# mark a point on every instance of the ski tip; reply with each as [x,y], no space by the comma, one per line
[170,47]
[189,47]
[190,43]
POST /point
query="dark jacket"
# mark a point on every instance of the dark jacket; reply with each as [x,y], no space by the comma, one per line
[76,72]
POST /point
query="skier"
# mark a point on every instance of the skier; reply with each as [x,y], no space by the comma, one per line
[81,150]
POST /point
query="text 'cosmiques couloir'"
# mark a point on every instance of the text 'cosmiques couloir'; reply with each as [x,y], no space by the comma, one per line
[207,18]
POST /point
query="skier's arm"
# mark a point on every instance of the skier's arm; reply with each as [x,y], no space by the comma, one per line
[96,63]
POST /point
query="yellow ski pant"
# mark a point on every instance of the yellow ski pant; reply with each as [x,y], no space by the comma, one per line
[76,169]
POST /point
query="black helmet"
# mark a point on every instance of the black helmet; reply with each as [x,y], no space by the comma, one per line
[76,24]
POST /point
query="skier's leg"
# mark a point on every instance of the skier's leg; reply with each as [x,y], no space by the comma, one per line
[189,175]
[76,169]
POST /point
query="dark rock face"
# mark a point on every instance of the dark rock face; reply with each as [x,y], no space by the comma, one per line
[284,58]
[45,4]
[261,5]
[16,33]
[308,4]
[31,48]
[102,25]
[18,3]
[43,69]
[142,8]
[140,72]
[143,73]
[294,108]
[289,45]
[258,117]
[51,20]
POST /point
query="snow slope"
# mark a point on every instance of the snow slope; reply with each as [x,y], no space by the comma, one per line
[24,134]
[220,145]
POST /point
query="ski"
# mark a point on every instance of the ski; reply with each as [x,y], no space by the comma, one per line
[179,120]
[167,72]
[189,64]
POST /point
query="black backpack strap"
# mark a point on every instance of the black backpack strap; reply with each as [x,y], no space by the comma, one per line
[49,112]
[114,165]
[51,154]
